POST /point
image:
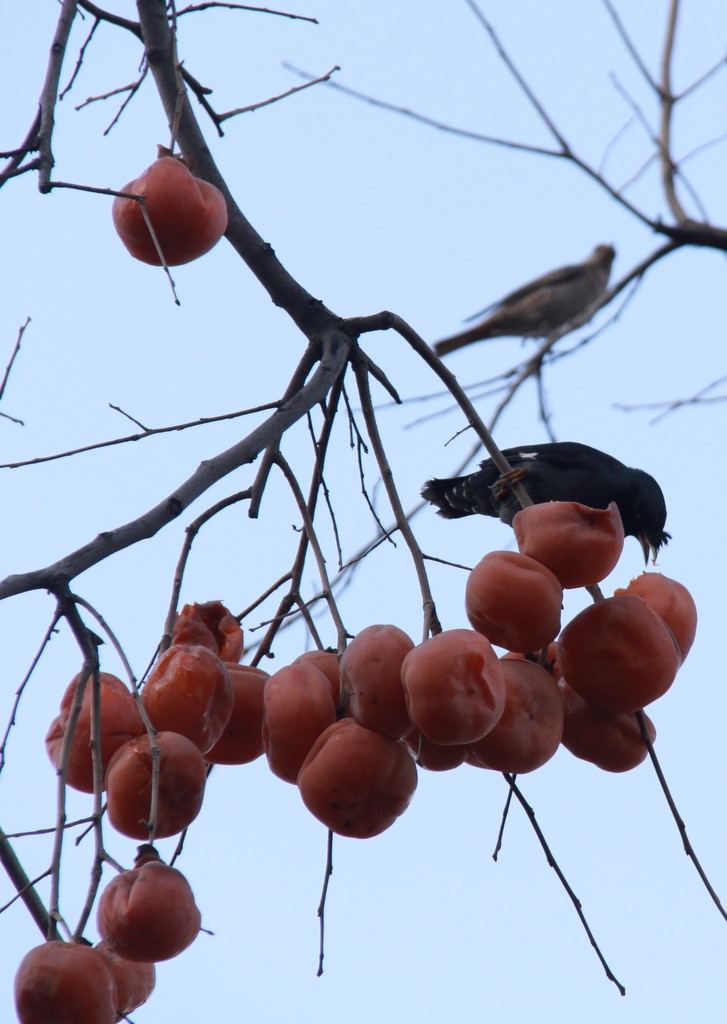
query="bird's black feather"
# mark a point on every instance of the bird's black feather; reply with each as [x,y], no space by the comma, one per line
[558,471]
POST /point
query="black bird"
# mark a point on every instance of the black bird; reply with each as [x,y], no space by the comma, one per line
[542,306]
[559,471]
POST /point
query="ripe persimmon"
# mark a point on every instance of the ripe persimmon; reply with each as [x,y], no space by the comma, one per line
[454,686]
[580,545]
[148,914]
[189,216]
[210,625]
[671,601]
[514,601]
[611,740]
[529,730]
[242,738]
[618,655]
[119,721]
[356,781]
[371,677]
[65,983]
[189,691]
[182,778]
[297,706]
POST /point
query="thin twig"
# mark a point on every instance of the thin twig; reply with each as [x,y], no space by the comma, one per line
[510,779]
[686,843]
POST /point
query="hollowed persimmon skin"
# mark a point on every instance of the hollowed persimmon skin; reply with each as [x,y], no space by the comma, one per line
[210,625]
[182,779]
[580,545]
[356,781]
[618,655]
[671,601]
[531,726]
[454,686]
[298,706]
[514,601]
[148,914]
[120,722]
[65,983]
[610,740]
[371,677]
[242,738]
[189,691]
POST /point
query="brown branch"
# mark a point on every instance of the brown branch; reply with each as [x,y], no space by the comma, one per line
[510,779]
[189,537]
[275,99]
[688,848]
[430,122]
[208,473]
[193,8]
[146,432]
[25,888]
[431,621]
[49,93]
[666,96]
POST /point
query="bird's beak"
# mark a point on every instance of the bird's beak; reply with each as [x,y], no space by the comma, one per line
[647,548]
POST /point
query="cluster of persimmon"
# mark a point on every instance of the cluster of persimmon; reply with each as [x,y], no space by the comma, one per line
[350,731]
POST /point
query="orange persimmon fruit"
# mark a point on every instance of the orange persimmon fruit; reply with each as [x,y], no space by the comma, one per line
[671,601]
[189,691]
[297,706]
[189,216]
[182,779]
[580,545]
[514,601]
[454,686]
[148,914]
[371,677]
[356,781]
[618,654]
[119,721]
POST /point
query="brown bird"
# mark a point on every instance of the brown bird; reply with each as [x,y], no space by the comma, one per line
[542,306]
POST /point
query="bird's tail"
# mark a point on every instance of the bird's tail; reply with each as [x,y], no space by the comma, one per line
[442,494]
[455,341]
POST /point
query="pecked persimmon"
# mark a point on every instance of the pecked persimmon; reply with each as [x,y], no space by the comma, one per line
[148,913]
[454,686]
[530,727]
[328,662]
[134,981]
[210,625]
[189,691]
[119,721]
[65,983]
[297,706]
[608,739]
[580,545]
[618,655]
[514,601]
[182,778]
[671,601]
[189,216]
[242,739]
[371,677]
[356,781]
